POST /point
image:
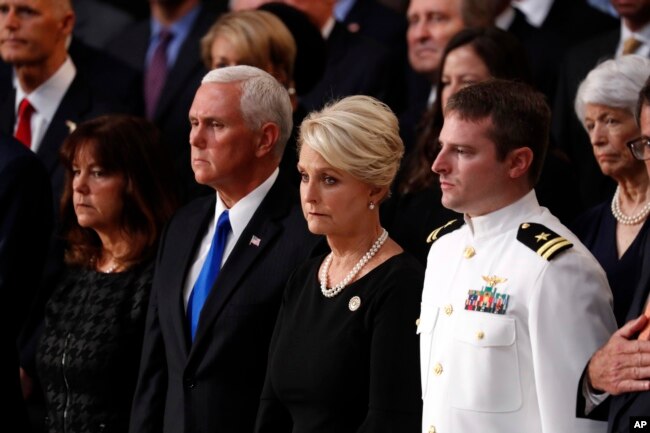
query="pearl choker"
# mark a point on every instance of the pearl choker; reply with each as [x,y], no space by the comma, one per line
[335,290]
[624,219]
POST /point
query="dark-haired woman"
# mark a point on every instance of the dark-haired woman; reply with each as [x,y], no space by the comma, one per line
[114,206]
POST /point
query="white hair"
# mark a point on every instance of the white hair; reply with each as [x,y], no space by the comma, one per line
[614,83]
[263,99]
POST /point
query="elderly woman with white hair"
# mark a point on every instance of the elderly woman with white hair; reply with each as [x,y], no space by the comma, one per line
[344,354]
[614,230]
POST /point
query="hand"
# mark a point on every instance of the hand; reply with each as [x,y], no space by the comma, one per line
[622,364]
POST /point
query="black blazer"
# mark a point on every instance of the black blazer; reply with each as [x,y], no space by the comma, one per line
[358,65]
[623,406]
[25,229]
[180,86]
[78,104]
[618,409]
[214,384]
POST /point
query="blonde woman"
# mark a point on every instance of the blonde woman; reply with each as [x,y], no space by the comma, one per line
[344,355]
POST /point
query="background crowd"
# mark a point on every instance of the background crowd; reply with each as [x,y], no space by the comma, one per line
[155,171]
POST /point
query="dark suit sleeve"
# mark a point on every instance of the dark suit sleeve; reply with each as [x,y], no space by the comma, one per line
[599,413]
[25,228]
[149,399]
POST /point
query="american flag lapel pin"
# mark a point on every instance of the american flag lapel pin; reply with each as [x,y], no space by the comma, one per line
[255,241]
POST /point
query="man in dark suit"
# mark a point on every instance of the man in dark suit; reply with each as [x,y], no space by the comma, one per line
[616,381]
[186,21]
[355,63]
[567,131]
[34,44]
[207,377]
[25,229]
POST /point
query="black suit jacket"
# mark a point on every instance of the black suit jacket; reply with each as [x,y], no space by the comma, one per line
[358,65]
[25,230]
[214,384]
[618,409]
[623,406]
[78,104]
[180,86]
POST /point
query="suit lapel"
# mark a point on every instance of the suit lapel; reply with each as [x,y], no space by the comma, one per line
[75,103]
[264,225]
[193,229]
[8,113]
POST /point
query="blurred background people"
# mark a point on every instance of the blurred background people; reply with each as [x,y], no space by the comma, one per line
[567,130]
[165,48]
[471,56]
[344,353]
[431,24]
[26,223]
[257,38]
[615,229]
[617,373]
[116,200]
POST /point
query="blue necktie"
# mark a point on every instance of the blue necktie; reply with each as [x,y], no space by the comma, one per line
[209,272]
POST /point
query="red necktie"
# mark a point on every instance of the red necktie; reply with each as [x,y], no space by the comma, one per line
[24,129]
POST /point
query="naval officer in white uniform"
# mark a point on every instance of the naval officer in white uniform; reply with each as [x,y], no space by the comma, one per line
[513,304]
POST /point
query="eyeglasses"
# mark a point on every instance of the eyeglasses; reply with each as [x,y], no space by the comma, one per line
[640,148]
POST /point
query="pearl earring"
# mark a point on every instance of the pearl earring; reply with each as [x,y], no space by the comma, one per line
[371,206]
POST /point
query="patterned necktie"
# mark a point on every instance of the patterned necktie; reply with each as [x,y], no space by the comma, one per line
[209,272]
[156,73]
[631,45]
[24,128]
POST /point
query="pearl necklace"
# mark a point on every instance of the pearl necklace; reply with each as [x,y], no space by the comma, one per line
[335,290]
[111,269]
[624,219]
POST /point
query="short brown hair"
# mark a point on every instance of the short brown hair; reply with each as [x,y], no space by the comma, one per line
[520,117]
[130,146]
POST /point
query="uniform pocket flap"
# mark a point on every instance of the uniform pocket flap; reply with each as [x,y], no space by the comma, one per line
[484,329]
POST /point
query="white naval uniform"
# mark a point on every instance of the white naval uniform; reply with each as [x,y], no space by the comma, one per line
[516,372]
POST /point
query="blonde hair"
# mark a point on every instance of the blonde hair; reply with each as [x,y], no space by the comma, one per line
[261,39]
[359,135]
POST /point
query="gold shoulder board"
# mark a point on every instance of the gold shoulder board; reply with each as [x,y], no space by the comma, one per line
[449,227]
[543,241]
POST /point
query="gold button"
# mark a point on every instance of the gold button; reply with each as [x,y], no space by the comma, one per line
[432,429]
[480,335]
[417,322]
[469,252]
[437,369]
[449,309]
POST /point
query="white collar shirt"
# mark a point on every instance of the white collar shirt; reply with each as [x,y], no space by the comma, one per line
[643,35]
[535,11]
[239,215]
[45,99]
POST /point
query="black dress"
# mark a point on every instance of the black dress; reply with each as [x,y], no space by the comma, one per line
[333,368]
[596,228]
[89,353]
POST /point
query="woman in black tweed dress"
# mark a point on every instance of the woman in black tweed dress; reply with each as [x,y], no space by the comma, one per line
[113,208]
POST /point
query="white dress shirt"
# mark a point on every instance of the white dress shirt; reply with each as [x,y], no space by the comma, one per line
[239,215]
[45,99]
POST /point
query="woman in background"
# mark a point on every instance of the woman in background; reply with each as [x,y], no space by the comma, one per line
[614,230]
[115,203]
